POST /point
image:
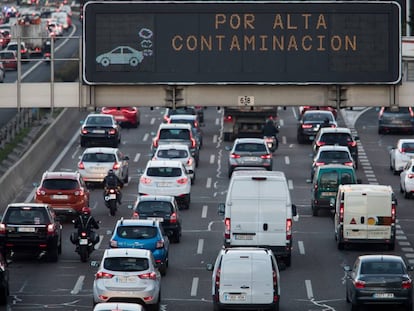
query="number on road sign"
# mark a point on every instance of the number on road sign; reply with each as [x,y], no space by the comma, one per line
[246,100]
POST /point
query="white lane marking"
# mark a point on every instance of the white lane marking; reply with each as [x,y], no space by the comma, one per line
[281,122]
[194,287]
[287,161]
[78,286]
[145,137]
[215,137]
[284,140]
[301,247]
[137,156]
[152,121]
[200,246]
[212,158]
[217,121]
[204,211]
[208,183]
[309,291]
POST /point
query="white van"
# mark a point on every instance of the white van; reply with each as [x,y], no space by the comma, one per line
[365,214]
[258,212]
[245,277]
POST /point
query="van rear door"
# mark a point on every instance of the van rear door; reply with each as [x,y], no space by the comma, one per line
[262,280]
[379,216]
[355,215]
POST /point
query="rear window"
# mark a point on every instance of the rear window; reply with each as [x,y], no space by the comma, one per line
[329,179]
[6,55]
[164,172]
[251,147]
[99,121]
[334,155]
[183,121]
[336,138]
[317,117]
[136,232]
[99,157]
[126,264]
[26,216]
[382,268]
[172,153]
[185,110]
[60,184]
[407,147]
[174,134]
[154,206]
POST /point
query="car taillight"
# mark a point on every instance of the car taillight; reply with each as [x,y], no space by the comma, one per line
[228,118]
[112,131]
[275,296]
[402,150]
[320,143]
[227,228]
[155,142]
[116,166]
[113,243]
[190,161]
[193,143]
[410,176]
[234,156]
[160,244]
[381,113]
[135,215]
[341,212]
[288,229]
[84,131]
[148,276]
[352,143]
[349,163]
[266,156]
[103,275]
[173,218]
[393,213]
[359,284]
[39,191]
[182,181]
[406,284]
[2,228]
[319,163]
[83,234]
[306,126]
[145,180]
[81,165]
[50,229]
[217,278]
[411,112]
[79,192]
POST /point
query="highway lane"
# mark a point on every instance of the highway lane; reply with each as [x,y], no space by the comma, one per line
[313,282]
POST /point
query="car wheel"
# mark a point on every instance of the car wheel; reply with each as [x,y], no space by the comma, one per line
[288,260]
[155,307]
[176,237]
[216,307]
[354,307]
[347,296]
[229,173]
[4,294]
[133,62]
[275,306]
[53,254]
[126,179]
[105,62]
[406,195]
[401,188]
[409,306]
[315,210]
[83,143]
[300,139]
[163,269]
[60,246]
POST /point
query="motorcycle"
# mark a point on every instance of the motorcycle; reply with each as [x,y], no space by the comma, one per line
[272,142]
[84,244]
[111,199]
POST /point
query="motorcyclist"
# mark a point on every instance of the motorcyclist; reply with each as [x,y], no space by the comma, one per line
[85,223]
[112,181]
[270,128]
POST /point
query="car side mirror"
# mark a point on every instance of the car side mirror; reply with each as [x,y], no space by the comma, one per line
[347,268]
[126,158]
[228,148]
[356,137]
[35,184]
[140,171]
[294,210]
[221,209]
[210,267]
[95,263]
[82,121]
[410,268]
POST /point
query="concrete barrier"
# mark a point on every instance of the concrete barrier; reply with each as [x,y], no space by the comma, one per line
[55,137]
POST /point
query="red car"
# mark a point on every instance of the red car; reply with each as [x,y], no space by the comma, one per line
[4,38]
[9,59]
[302,109]
[124,115]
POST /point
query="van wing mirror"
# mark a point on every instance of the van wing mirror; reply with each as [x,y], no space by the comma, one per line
[221,209]
[294,211]
[210,267]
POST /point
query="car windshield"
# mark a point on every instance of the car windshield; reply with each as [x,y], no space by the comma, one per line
[25,216]
[136,232]
[174,134]
[382,267]
[60,184]
[164,172]
[126,264]
[154,206]
[333,155]
[172,153]
[249,147]
[336,138]
[99,157]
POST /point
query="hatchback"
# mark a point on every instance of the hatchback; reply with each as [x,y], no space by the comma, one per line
[194,110]
[125,116]
[128,275]
[401,154]
[332,155]
[14,46]
[100,129]
[177,152]
[143,234]
[249,152]
[311,122]
[66,192]
[379,279]
[9,59]
[166,178]
[95,163]
[161,208]
[407,179]
[396,119]
[193,121]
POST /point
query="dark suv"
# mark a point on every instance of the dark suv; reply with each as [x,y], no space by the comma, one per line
[396,119]
[341,136]
[162,208]
[100,129]
[31,228]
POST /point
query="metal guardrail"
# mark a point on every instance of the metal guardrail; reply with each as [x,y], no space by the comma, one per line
[23,119]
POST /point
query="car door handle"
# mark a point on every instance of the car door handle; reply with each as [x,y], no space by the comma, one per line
[244,287]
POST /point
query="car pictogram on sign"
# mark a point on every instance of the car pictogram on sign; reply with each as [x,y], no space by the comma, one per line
[121,55]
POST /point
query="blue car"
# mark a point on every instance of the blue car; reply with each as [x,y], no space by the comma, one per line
[144,234]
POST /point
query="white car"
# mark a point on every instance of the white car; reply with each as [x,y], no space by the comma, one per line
[128,274]
[401,154]
[118,306]
[407,179]
[179,153]
[95,163]
[166,178]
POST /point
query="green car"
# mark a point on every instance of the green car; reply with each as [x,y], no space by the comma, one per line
[325,184]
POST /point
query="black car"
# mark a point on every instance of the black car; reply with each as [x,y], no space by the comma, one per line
[379,279]
[4,281]
[31,228]
[311,122]
[163,209]
[100,130]
[194,110]
[396,119]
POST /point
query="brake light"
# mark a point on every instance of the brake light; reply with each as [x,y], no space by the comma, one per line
[81,165]
[234,156]
[113,244]
[182,181]
[402,150]
[306,126]
[148,276]
[50,229]
[193,143]
[160,244]
[83,234]
[320,143]
[145,180]
[288,229]
[155,142]
[266,156]
[352,143]
[349,163]
[410,176]
[359,284]
[39,191]
[228,118]
[112,132]
[227,228]
[79,192]
[275,296]
[116,166]
[393,212]
[319,163]
[217,279]
[84,131]
[341,212]
[381,112]
[103,275]
[2,229]
[135,215]
[190,161]
[407,284]
[411,112]
[173,218]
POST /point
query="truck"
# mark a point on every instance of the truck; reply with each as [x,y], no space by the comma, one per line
[32,30]
[246,121]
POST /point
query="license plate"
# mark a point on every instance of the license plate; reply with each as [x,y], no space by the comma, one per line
[328,194]
[251,159]
[126,279]
[98,131]
[234,297]
[60,197]
[119,118]
[112,196]
[160,219]
[83,242]
[26,229]
[164,184]
[384,295]
[243,237]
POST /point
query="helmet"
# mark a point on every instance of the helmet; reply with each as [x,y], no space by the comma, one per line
[111,172]
[86,210]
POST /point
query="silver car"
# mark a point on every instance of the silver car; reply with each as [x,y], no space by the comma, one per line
[128,274]
[95,163]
